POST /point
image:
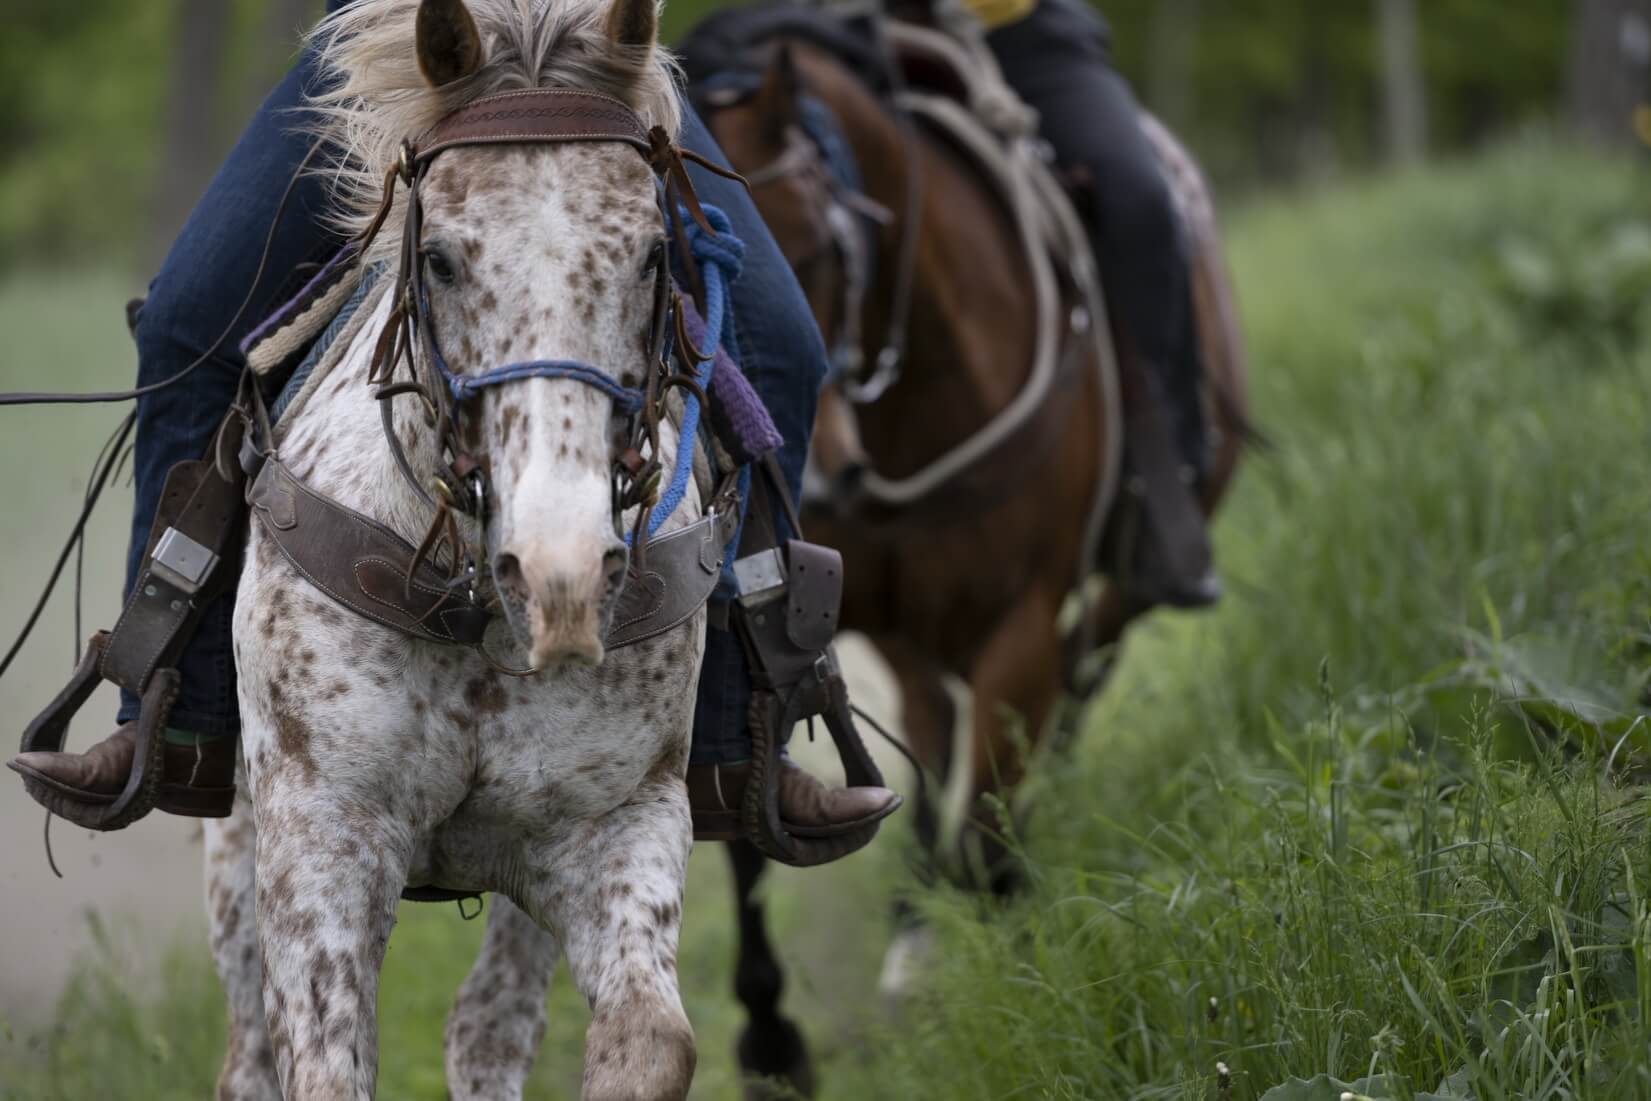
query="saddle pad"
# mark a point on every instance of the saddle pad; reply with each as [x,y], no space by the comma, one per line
[324,342]
[284,335]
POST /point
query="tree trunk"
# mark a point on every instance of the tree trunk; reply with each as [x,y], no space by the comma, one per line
[1170,79]
[190,149]
[1610,67]
[1404,96]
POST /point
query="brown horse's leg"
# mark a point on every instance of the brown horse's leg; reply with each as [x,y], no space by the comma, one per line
[1016,679]
[1091,648]
[928,718]
[770,1048]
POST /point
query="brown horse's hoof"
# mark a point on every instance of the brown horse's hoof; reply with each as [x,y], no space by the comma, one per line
[775,1067]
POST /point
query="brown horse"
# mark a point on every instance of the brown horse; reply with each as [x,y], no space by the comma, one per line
[973,588]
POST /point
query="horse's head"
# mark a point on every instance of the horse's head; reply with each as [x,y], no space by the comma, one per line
[528,253]
[821,234]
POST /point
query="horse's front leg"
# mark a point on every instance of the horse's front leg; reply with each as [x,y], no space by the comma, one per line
[498,1019]
[614,890]
[248,1072]
[332,862]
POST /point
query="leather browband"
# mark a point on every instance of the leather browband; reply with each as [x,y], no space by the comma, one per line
[535,115]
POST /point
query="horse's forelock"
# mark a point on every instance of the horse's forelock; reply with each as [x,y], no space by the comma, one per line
[376,97]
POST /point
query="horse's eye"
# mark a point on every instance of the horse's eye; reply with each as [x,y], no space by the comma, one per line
[656,256]
[440,270]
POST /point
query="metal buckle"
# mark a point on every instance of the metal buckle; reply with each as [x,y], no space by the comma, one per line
[182,561]
[760,578]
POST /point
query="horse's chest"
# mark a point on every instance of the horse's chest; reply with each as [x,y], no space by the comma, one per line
[571,743]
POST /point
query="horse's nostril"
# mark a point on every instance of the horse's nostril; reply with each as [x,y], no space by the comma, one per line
[507,570]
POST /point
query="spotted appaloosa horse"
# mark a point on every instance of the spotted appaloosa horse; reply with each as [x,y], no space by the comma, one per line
[373,760]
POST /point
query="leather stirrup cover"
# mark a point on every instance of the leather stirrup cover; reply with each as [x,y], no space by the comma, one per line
[203,513]
[193,554]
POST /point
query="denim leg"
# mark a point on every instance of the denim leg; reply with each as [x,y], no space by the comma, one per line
[780,350]
[193,299]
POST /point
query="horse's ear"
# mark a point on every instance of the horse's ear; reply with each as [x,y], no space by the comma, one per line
[449,46]
[633,22]
[777,95]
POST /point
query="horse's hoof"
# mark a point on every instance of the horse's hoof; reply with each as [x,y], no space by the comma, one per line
[776,1067]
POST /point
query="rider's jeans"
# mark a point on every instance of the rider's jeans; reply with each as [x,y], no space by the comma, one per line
[199,289]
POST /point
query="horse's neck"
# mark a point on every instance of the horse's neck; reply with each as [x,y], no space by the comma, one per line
[972,329]
[336,442]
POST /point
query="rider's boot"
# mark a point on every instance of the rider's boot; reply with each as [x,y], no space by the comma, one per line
[808,807]
[1164,550]
[197,780]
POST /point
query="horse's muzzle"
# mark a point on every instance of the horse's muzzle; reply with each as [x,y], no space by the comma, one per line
[559,599]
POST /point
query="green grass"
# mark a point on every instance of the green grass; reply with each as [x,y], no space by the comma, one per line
[1376,824]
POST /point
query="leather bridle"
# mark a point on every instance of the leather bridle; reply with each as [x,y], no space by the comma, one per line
[459,483]
[844,211]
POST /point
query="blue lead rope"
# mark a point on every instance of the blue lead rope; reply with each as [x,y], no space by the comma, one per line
[719,257]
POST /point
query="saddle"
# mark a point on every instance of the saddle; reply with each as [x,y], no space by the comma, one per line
[788,591]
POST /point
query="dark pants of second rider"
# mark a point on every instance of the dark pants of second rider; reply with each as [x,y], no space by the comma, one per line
[1058,58]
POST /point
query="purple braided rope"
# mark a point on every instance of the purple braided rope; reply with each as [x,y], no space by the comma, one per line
[738,416]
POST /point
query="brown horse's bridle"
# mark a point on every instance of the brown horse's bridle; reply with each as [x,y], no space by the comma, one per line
[854,249]
[536,116]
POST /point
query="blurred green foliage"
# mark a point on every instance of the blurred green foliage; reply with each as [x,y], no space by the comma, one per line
[1279,88]
[1265,90]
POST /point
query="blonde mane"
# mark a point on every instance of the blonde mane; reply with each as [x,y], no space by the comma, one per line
[374,95]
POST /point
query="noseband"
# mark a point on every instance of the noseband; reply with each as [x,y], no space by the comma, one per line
[531,117]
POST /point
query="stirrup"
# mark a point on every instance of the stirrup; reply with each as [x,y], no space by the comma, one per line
[785,617]
[94,810]
[193,555]
[1158,509]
